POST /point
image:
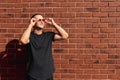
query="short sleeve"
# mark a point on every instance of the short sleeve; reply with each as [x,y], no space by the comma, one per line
[52,35]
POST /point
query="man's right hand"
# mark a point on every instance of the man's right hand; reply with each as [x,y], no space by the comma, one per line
[33,21]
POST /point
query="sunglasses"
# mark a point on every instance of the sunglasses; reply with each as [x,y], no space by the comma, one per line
[41,20]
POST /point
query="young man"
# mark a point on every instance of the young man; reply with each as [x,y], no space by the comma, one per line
[39,47]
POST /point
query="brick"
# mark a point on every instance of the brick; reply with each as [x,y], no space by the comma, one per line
[21,15]
[70,57]
[96,14]
[112,46]
[76,30]
[6,15]
[118,20]
[67,4]
[110,40]
[108,62]
[92,30]
[63,75]
[83,77]
[118,9]
[100,25]
[113,56]
[114,66]
[114,14]
[13,10]
[14,30]
[100,46]
[59,0]
[91,0]
[33,5]
[13,21]
[13,1]
[75,9]
[7,25]
[108,9]
[91,51]
[107,71]
[6,35]
[84,66]
[109,30]
[103,4]
[91,40]
[108,0]
[68,45]
[113,25]
[76,20]
[37,1]
[76,40]
[77,51]
[92,9]
[108,20]
[60,15]
[83,14]
[13,5]
[99,66]
[86,57]
[91,61]
[99,76]
[37,10]
[61,61]
[3,30]
[92,71]
[100,56]
[60,9]
[108,51]
[68,25]
[81,4]
[113,76]
[51,4]
[101,35]
[76,0]
[114,4]
[85,35]
[92,20]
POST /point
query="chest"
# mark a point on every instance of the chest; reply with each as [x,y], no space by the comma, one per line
[42,41]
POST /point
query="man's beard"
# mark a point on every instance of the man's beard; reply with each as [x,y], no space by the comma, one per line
[37,28]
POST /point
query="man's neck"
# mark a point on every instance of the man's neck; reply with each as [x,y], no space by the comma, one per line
[38,32]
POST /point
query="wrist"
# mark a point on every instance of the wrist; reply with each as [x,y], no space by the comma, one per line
[30,26]
[55,24]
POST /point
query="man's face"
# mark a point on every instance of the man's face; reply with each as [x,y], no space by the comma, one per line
[40,21]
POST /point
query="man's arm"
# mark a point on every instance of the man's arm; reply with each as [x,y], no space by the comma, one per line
[25,36]
[62,33]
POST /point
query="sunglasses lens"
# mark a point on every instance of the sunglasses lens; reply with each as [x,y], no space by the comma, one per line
[41,19]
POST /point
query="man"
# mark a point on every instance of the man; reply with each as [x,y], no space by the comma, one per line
[39,46]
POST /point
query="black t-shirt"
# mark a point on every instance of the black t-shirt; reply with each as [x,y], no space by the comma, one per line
[40,60]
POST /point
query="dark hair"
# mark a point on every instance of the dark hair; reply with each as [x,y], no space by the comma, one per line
[34,15]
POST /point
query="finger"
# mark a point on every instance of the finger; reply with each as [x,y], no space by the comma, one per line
[33,20]
[48,21]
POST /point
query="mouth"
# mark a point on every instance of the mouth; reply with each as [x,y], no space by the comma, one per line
[38,28]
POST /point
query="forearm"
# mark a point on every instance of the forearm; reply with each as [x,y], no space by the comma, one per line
[25,36]
[61,31]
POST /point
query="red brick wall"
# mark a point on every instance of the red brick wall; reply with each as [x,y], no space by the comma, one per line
[92,51]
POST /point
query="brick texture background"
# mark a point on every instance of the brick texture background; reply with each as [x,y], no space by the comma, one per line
[92,51]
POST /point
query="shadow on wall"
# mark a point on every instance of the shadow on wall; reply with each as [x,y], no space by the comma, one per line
[13,61]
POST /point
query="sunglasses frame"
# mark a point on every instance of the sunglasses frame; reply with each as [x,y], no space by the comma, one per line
[41,20]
